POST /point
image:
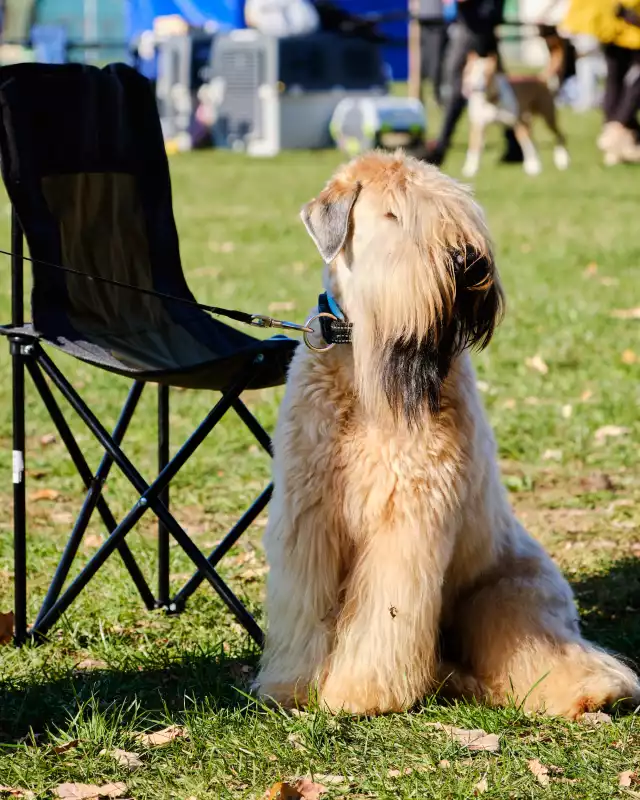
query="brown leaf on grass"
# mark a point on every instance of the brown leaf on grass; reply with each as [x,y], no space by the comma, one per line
[89,791]
[628,778]
[444,764]
[282,791]
[161,738]
[47,439]
[538,364]
[609,431]
[626,313]
[595,718]
[539,770]
[129,760]
[586,395]
[13,791]
[309,790]
[6,627]
[481,787]
[598,482]
[396,773]
[62,748]
[91,663]
[92,541]
[44,494]
[628,357]
[474,740]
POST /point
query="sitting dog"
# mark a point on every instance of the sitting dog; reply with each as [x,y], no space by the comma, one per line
[492,97]
[396,563]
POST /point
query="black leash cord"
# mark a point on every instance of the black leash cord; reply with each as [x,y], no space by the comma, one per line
[256,320]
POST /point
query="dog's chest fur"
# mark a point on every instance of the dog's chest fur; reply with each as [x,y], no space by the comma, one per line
[376,475]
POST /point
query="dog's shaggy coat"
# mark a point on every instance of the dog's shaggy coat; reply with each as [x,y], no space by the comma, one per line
[397,566]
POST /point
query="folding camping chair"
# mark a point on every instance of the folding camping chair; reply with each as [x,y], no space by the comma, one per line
[85,168]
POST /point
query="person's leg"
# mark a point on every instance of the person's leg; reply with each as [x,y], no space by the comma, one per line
[616,60]
[629,101]
[459,48]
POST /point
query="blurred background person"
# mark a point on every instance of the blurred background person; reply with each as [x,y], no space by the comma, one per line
[616,27]
[433,41]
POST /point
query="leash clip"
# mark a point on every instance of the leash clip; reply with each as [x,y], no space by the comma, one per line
[262,321]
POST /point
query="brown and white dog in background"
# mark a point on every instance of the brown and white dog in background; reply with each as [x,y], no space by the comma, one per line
[493,97]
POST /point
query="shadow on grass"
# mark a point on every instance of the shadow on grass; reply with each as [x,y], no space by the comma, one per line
[138,693]
[610,607]
[609,603]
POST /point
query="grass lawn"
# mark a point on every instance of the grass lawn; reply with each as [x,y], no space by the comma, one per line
[560,382]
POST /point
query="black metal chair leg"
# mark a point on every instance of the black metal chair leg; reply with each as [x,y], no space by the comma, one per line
[179,601]
[164,566]
[93,498]
[254,426]
[19,487]
[149,495]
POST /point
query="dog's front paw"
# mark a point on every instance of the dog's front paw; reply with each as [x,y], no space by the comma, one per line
[561,157]
[470,168]
[362,698]
[532,167]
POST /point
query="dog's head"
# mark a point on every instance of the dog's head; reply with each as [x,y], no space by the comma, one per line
[409,259]
[479,74]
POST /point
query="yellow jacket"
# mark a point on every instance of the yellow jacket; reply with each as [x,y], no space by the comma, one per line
[598,18]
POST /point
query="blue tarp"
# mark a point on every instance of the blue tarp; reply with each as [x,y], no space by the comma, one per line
[230,14]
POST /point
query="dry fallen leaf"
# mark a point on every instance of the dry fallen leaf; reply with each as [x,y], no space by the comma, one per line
[586,395]
[474,740]
[6,627]
[627,778]
[44,494]
[88,791]
[92,541]
[13,791]
[62,748]
[595,718]
[282,791]
[607,431]
[48,438]
[129,760]
[444,764]
[539,770]
[628,357]
[160,738]
[626,313]
[91,663]
[481,787]
[537,363]
[309,790]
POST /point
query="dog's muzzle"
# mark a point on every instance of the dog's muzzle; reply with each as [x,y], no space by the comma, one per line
[334,327]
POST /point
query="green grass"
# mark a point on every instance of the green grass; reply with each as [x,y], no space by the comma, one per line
[569,255]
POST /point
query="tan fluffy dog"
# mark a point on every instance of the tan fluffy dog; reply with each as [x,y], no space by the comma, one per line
[395,560]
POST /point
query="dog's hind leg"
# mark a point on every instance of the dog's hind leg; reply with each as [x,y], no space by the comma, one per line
[531,164]
[560,153]
[385,656]
[518,635]
[303,590]
[476,139]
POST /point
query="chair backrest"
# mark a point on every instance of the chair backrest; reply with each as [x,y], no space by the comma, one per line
[84,163]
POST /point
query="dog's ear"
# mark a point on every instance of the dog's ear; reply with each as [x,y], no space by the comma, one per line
[413,369]
[327,219]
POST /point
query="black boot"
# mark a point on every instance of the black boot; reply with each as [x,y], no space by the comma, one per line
[513,151]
